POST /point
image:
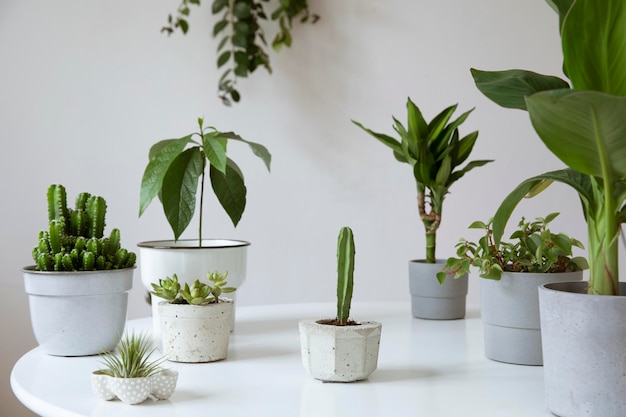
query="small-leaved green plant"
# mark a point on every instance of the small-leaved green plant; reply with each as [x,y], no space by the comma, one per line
[196,294]
[434,150]
[132,359]
[174,171]
[534,249]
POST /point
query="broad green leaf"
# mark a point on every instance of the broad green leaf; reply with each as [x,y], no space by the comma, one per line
[161,156]
[218,5]
[180,185]
[580,182]
[510,88]
[417,126]
[466,144]
[594,45]
[215,150]
[439,122]
[257,149]
[223,58]
[241,10]
[219,26]
[444,171]
[230,190]
[585,129]
[561,7]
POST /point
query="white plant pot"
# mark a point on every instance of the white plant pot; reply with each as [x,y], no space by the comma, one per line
[339,353]
[78,313]
[134,390]
[510,315]
[196,333]
[164,258]
[432,300]
[584,350]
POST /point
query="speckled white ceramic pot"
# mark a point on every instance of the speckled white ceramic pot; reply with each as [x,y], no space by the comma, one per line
[196,333]
[340,353]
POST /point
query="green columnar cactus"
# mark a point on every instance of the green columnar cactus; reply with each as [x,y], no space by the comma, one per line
[75,238]
[345,274]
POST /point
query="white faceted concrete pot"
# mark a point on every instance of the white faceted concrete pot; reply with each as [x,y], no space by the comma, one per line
[164,258]
[78,313]
[134,390]
[339,353]
[510,315]
[196,333]
[432,300]
[584,350]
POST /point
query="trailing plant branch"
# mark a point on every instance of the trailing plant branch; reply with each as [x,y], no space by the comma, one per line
[245,37]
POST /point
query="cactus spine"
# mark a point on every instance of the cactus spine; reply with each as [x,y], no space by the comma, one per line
[345,274]
[74,240]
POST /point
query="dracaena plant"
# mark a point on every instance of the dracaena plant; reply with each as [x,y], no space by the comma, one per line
[196,294]
[534,248]
[435,150]
[177,166]
[581,122]
[243,47]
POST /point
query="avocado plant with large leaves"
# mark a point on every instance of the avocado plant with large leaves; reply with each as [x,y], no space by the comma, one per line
[174,171]
[583,124]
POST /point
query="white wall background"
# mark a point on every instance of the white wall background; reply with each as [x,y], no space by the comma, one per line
[86,87]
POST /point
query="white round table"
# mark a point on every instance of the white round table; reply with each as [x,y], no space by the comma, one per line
[425,368]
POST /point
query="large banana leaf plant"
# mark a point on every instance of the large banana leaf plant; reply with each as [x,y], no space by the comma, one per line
[434,150]
[583,122]
[175,172]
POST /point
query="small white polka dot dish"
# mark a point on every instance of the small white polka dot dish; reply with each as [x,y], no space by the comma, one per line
[159,386]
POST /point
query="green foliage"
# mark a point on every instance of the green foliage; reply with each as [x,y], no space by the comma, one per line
[243,47]
[199,293]
[434,150]
[132,359]
[174,171]
[583,126]
[535,249]
[75,238]
[345,274]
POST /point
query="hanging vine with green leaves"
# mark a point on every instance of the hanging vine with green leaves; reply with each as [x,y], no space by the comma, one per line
[243,47]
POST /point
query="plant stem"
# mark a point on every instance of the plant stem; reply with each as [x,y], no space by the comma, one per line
[603,245]
[201,202]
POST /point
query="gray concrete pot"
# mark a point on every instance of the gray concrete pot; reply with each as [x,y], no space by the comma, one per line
[431,300]
[78,313]
[584,349]
[510,315]
[339,353]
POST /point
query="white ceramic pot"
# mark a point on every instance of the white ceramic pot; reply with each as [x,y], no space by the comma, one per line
[510,315]
[432,300]
[340,353]
[134,390]
[584,350]
[163,258]
[196,333]
[78,313]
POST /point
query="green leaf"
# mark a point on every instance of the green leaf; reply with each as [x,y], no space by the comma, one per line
[585,129]
[594,45]
[456,175]
[436,126]
[215,150]
[230,190]
[223,58]
[222,43]
[241,10]
[257,149]
[180,186]
[240,40]
[218,5]
[386,140]
[416,124]
[219,26]
[510,88]
[161,156]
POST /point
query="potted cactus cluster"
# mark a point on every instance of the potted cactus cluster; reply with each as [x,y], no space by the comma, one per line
[78,287]
[195,321]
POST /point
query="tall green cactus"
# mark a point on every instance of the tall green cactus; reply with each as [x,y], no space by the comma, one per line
[75,238]
[345,274]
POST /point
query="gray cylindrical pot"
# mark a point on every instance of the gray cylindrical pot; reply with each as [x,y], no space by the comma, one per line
[584,348]
[78,313]
[510,315]
[431,300]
